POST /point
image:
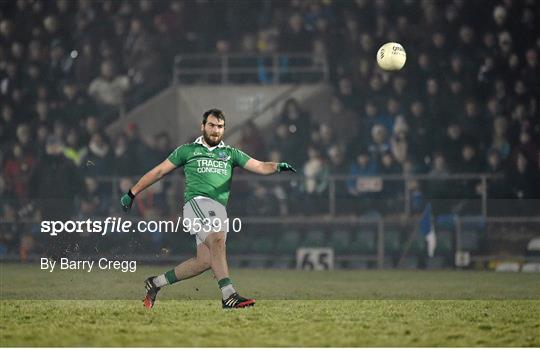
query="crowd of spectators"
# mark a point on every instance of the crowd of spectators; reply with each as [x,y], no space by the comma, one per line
[466,101]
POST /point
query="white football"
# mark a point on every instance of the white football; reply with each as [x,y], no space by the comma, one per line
[391,56]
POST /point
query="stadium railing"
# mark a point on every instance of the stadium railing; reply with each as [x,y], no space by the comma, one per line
[361,238]
[241,68]
[358,242]
[465,194]
[271,68]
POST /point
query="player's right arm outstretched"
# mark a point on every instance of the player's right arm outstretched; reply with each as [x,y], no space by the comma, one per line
[266,168]
[147,180]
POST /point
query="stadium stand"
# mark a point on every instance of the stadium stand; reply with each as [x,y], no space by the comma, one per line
[467,102]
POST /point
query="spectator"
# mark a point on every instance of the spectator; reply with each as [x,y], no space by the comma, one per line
[24,137]
[438,40]
[59,130]
[347,94]
[393,109]
[379,142]
[389,166]
[74,105]
[363,166]
[41,116]
[452,145]
[345,121]
[495,167]
[99,157]
[92,204]
[10,79]
[34,78]
[327,136]
[261,202]
[435,104]
[73,150]
[61,65]
[527,147]
[252,140]
[108,89]
[493,108]
[124,160]
[499,140]
[285,142]
[522,184]
[400,91]
[139,146]
[42,134]
[470,161]
[141,60]
[295,38]
[55,183]
[375,93]
[424,66]
[297,120]
[91,127]
[337,160]
[421,131]
[316,173]
[319,53]
[162,145]
[362,185]
[467,188]
[400,147]
[392,190]
[439,168]
[473,124]
[7,124]
[368,120]
[279,190]
[439,189]
[531,71]
[17,172]
[85,67]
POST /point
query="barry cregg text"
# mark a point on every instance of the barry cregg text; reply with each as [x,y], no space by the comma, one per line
[88,265]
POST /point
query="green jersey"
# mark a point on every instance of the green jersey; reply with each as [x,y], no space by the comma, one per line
[208,171]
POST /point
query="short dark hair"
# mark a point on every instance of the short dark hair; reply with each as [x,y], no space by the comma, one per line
[214,112]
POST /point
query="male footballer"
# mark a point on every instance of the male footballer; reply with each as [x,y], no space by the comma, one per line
[208,165]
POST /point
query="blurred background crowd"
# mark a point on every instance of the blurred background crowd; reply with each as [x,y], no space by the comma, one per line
[466,101]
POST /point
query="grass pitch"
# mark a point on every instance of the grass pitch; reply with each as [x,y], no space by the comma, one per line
[340,308]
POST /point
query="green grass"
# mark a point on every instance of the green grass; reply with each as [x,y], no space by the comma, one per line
[271,323]
[340,308]
[29,282]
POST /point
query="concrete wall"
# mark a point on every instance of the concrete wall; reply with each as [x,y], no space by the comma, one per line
[178,110]
[158,114]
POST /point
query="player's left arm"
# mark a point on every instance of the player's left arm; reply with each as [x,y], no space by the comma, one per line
[267,168]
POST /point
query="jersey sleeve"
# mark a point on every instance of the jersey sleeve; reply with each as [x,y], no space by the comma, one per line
[179,156]
[239,158]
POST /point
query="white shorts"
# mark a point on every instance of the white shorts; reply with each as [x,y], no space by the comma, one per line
[205,216]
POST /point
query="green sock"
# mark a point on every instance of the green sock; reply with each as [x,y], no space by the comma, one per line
[226,287]
[171,277]
[168,278]
[224,282]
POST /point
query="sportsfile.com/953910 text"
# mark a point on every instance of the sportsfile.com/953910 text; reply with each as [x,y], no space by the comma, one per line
[119,224]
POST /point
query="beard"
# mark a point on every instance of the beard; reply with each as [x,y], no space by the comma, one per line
[210,141]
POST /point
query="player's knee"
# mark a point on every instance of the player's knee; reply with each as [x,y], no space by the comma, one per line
[204,264]
[216,240]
